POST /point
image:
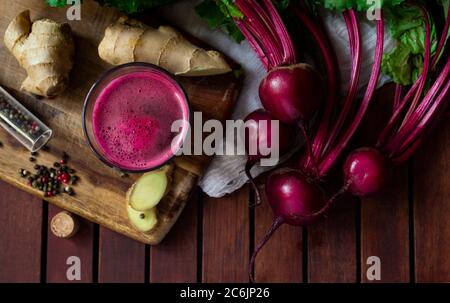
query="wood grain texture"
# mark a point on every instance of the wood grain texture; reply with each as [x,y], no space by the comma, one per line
[226,238]
[385,231]
[59,250]
[384,218]
[120,259]
[20,239]
[101,193]
[281,258]
[332,245]
[175,259]
[432,208]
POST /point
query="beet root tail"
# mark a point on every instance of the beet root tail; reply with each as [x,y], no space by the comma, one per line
[275,225]
[248,167]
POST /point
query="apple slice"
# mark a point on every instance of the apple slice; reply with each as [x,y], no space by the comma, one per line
[149,189]
[143,220]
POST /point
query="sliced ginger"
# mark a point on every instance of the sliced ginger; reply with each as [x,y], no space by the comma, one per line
[45,49]
[128,40]
[143,220]
[149,189]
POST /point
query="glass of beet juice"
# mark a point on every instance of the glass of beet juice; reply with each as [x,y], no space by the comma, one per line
[128,116]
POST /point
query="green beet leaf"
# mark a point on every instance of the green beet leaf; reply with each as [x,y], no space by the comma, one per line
[56,3]
[219,15]
[359,5]
[406,24]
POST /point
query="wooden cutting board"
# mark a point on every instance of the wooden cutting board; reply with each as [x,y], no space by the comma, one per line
[100,194]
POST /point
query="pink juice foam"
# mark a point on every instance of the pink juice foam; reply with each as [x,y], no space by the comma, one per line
[132,119]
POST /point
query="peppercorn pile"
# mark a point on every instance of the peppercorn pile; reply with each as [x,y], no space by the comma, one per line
[54,180]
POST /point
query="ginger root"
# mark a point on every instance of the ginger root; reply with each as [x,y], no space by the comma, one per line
[144,196]
[45,49]
[128,40]
[150,188]
[143,220]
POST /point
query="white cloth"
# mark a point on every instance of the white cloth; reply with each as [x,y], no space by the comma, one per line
[225,174]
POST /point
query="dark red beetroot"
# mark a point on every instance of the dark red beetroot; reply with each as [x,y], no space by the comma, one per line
[294,200]
[366,172]
[259,130]
[292,93]
[293,197]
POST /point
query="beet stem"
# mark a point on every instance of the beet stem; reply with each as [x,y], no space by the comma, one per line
[277,222]
[265,24]
[286,41]
[442,41]
[333,155]
[397,96]
[426,120]
[343,190]
[411,126]
[387,131]
[418,139]
[355,48]
[254,43]
[248,167]
[309,149]
[332,70]
[426,68]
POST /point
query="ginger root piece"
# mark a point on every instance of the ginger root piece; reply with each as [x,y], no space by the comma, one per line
[45,49]
[128,40]
[149,189]
[143,220]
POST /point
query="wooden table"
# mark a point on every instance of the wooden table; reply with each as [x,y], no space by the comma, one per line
[408,228]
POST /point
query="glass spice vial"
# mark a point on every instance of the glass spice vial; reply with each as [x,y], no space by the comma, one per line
[21,123]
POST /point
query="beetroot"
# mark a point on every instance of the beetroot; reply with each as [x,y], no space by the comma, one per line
[366,171]
[294,200]
[291,93]
[259,124]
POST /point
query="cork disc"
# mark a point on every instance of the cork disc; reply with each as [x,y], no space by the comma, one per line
[64,225]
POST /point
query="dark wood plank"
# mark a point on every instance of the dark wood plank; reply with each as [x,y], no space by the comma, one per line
[286,245]
[432,208]
[20,239]
[59,250]
[226,238]
[385,231]
[120,259]
[332,245]
[384,219]
[175,258]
